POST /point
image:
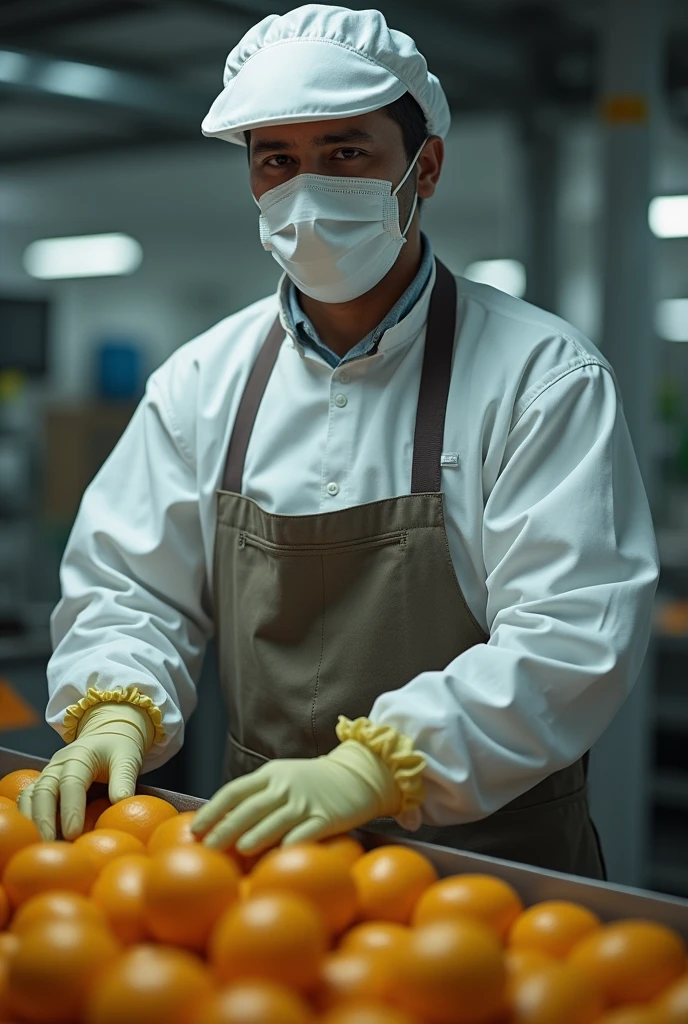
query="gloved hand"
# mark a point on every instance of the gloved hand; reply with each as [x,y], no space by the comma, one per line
[299,799]
[109,747]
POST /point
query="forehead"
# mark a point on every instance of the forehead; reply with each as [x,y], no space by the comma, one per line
[375,127]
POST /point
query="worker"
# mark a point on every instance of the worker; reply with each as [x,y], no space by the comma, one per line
[406,505]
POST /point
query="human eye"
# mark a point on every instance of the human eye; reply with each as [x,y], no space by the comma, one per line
[279,160]
[347,154]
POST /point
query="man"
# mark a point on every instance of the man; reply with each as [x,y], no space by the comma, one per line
[430,564]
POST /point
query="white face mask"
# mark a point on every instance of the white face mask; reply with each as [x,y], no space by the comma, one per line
[335,237]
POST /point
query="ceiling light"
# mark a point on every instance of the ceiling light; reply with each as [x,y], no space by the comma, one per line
[507,275]
[671,319]
[668,216]
[83,256]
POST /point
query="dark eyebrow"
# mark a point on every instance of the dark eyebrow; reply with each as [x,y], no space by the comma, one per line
[331,139]
[350,135]
[269,146]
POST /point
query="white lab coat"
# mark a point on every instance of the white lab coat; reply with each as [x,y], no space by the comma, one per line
[548,526]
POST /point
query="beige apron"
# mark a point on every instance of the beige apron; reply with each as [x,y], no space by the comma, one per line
[317,615]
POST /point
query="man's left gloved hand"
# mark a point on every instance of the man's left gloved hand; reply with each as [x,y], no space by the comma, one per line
[300,799]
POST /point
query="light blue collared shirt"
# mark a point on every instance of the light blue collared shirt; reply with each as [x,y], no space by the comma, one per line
[299,324]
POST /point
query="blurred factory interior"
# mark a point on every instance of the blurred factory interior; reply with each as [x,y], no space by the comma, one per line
[568,159]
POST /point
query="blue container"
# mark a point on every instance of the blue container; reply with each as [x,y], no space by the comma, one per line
[119,371]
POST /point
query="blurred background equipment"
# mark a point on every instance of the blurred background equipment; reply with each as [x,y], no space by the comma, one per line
[124,233]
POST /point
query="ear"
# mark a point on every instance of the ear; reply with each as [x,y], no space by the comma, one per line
[430,167]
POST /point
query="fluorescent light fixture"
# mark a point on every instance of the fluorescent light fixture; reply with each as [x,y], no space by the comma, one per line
[668,216]
[83,256]
[507,275]
[671,319]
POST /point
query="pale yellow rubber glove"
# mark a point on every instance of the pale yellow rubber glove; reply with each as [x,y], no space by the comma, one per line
[109,747]
[298,799]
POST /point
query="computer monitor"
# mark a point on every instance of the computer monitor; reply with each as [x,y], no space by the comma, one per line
[24,335]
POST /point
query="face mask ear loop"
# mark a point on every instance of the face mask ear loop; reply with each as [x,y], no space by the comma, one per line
[410,167]
[415,198]
[413,210]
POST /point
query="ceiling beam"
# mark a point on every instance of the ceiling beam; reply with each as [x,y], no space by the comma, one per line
[40,19]
[140,96]
[54,152]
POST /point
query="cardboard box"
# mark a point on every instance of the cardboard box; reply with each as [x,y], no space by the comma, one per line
[78,440]
[533,884]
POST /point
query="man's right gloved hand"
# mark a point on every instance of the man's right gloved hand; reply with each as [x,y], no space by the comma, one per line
[109,747]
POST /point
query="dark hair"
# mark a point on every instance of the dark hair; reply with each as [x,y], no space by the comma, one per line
[407,113]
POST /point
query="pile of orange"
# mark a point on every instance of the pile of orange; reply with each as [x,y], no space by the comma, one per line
[136,922]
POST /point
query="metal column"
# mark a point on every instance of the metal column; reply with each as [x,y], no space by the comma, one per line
[632,60]
[540,229]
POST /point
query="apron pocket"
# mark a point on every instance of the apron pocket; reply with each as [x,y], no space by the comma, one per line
[345,546]
[240,760]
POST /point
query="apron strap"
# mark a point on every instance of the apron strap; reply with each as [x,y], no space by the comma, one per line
[248,408]
[432,400]
[435,379]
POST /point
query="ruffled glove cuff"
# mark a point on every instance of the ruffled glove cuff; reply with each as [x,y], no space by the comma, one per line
[132,695]
[395,750]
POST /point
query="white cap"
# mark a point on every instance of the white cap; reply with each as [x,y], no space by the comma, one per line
[319,62]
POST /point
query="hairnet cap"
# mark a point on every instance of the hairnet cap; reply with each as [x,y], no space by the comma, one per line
[319,62]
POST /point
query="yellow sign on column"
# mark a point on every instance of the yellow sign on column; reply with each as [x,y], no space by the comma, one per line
[625,109]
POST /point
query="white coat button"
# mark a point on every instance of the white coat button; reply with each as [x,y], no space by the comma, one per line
[344,377]
[340,400]
[333,488]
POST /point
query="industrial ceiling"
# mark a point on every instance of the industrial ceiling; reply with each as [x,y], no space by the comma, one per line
[82,76]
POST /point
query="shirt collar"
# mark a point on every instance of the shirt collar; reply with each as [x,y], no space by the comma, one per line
[382,337]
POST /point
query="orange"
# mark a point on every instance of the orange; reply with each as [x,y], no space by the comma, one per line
[255,1002]
[451,972]
[118,892]
[557,994]
[374,937]
[6,802]
[314,871]
[482,897]
[104,844]
[350,976]
[16,782]
[56,965]
[390,881]
[639,1014]
[138,815]
[521,962]
[366,1013]
[346,846]
[186,891]
[9,944]
[632,960]
[174,831]
[150,985]
[55,905]
[244,888]
[5,1008]
[553,927]
[16,832]
[94,811]
[4,908]
[673,1002]
[277,936]
[45,866]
